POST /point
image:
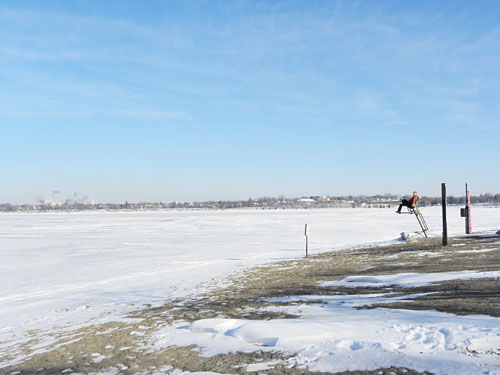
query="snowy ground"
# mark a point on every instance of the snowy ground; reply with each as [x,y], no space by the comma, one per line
[65,269]
[332,336]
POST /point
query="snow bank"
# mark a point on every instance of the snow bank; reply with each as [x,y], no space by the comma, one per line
[335,337]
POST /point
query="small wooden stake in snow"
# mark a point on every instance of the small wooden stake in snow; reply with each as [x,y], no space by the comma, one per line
[443,205]
[306,233]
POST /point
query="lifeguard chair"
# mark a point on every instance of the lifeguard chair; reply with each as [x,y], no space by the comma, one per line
[415,210]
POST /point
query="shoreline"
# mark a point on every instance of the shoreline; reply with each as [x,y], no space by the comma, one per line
[250,297]
[233,209]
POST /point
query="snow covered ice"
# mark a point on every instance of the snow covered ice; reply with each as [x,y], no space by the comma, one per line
[62,270]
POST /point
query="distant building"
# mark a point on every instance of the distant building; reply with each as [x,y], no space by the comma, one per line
[307,200]
[56,197]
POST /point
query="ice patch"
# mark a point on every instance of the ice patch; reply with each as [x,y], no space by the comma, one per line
[261,366]
[497,234]
[97,357]
[476,251]
[408,280]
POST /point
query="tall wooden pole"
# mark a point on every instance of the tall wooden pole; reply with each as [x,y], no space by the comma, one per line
[443,205]
[467,211]
[466,214]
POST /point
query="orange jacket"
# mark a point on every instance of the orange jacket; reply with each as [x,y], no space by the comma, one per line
[413,199]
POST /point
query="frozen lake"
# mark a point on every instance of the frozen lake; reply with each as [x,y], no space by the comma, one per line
[60,269]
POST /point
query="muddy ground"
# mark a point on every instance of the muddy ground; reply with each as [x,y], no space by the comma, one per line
[120,346]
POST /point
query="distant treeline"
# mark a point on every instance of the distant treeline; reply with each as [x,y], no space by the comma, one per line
[475,199]
[379,201]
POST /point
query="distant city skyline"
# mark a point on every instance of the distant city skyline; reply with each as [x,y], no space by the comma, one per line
[196,101]
[57,198]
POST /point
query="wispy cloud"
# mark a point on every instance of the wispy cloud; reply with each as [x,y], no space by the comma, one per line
[320,62]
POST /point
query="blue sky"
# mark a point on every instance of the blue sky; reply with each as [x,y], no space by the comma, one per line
[167,100]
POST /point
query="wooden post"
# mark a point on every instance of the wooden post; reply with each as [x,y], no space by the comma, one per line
[466,213]
[306,233]
[468,226]
[443,205]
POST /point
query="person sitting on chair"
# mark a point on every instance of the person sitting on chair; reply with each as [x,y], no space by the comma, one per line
[408,203]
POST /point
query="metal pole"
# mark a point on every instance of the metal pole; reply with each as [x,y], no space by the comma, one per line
[443,205]
[307,238]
